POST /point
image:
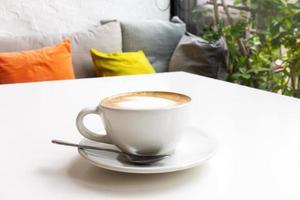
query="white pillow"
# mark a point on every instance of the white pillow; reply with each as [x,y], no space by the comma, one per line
[106,38]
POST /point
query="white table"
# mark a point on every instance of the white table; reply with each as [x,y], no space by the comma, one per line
[258,134]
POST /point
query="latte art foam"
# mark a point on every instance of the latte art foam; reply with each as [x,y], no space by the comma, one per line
[145,100]
[142,102]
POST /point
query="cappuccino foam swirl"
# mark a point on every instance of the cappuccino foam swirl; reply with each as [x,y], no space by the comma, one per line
[139,102]
[145,100]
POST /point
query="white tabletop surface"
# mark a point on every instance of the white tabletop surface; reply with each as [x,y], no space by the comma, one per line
[258,135]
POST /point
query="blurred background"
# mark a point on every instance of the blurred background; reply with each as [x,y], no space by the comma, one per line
[263,38]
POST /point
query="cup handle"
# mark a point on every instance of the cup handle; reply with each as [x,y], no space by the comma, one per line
[84,131]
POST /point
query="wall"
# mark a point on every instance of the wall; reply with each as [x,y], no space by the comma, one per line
[23,17]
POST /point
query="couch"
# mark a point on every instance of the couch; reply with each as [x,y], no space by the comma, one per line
[158,39]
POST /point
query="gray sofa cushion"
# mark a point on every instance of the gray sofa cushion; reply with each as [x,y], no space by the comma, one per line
[158,39]
[106,38]
[197,56]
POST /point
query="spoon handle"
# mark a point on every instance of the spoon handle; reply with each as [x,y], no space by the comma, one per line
[60,142]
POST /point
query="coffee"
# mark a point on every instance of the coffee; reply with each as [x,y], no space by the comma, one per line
[145,100]
[141,123]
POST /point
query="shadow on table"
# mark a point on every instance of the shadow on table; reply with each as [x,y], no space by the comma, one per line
[101,180]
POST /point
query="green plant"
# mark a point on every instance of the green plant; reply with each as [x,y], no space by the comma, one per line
[263,43]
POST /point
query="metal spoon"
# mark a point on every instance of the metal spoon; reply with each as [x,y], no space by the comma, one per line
[141,160]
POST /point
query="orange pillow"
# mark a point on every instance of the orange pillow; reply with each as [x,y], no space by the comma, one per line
[49,63]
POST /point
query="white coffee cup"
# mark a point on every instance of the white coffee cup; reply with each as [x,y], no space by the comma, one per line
[140,123]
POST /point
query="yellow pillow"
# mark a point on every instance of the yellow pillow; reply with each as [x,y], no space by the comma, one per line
[118,64]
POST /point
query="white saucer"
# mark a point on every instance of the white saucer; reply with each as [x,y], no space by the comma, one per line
[194,149]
